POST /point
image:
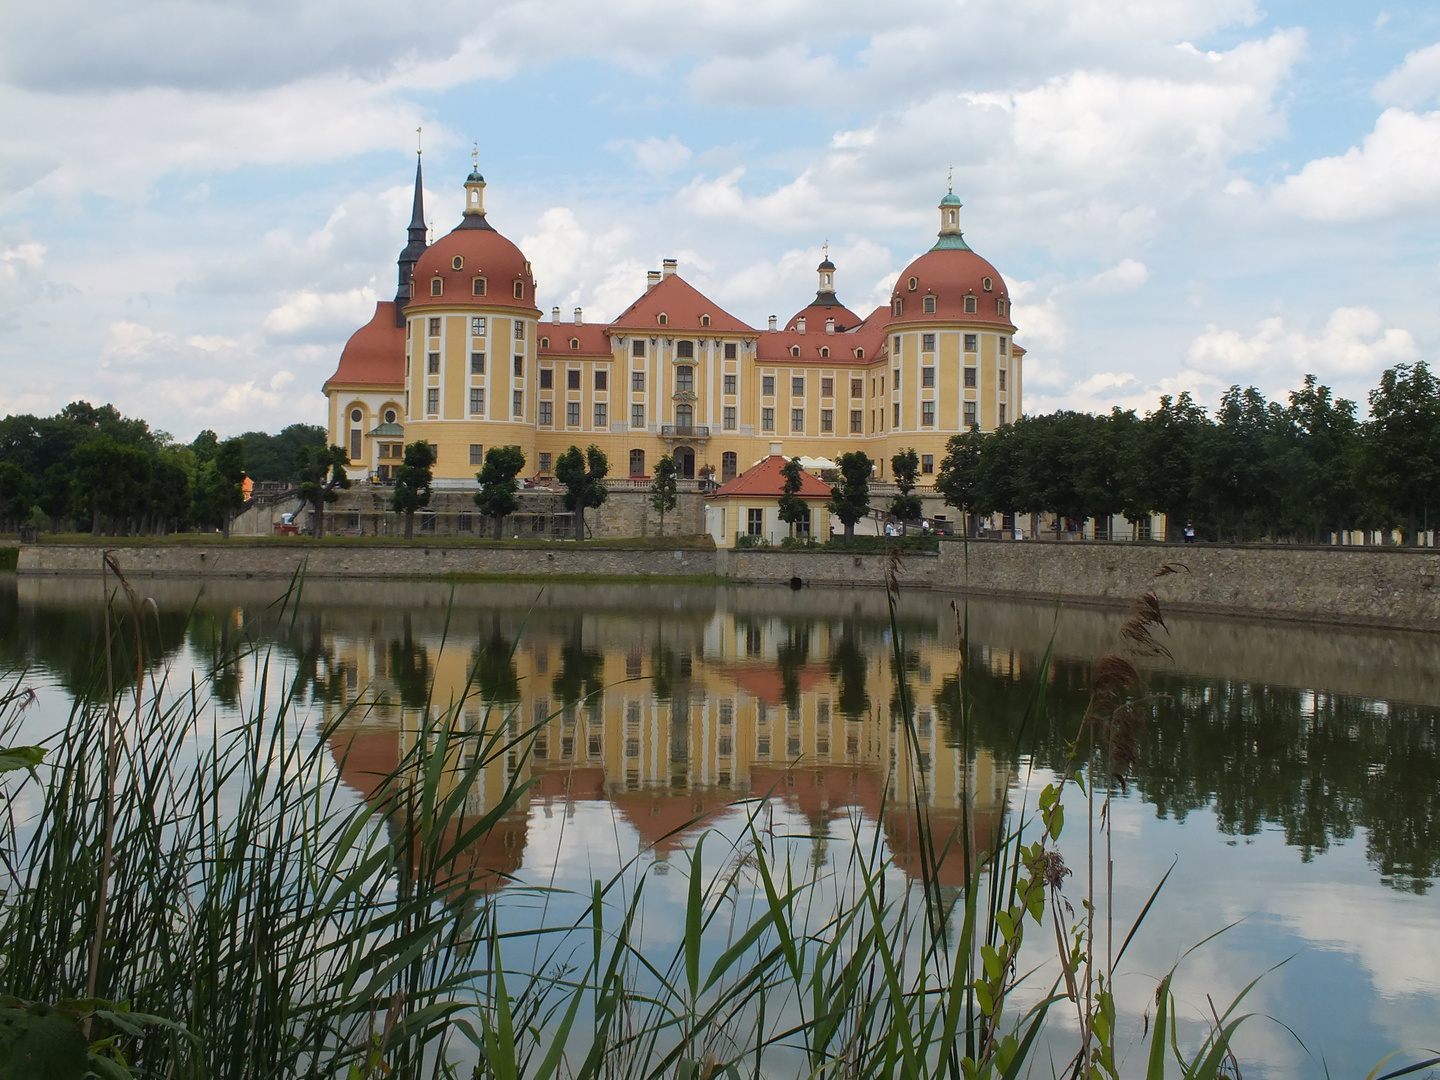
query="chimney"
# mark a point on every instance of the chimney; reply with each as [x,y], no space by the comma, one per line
[652,278]
[579,316]
[669,265]
[773,319]
[829,326]
[774,449]
[555,316]
[800,324]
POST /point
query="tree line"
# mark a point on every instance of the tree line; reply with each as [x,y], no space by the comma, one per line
[91,468]
[1251,470]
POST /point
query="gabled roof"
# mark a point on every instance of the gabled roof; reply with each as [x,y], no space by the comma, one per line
[591,337]
[682,305]
[375,354]
[766,481]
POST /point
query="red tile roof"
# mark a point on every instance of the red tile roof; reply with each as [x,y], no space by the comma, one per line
[682,304]
[779,346]
[816,314]
[375,354]
[765,480]
[591,336]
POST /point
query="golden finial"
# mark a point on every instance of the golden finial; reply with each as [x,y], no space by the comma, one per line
[950,180]
[826,249]
[417,142]
[475,155]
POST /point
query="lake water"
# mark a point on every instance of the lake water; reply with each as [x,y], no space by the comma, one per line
[1291,773]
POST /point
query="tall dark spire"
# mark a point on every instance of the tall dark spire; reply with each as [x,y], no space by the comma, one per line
[412,251]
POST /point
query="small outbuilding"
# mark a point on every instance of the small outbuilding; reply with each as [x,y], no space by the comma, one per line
[746,510]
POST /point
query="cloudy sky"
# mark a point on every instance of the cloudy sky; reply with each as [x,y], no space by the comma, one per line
[200,200]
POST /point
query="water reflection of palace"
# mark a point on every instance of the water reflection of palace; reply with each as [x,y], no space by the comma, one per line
[671,728]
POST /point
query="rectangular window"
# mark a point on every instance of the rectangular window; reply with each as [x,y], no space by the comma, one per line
[797,387]
[927,414]
[927,342]
[572,414]
[637,380]
[927,464]
[477,363]
[827,387]
[927,376]
[970,342]
[432,401]
[969,305]
[519,367]
[685,379]
[767,385]
[896,345]
[729,418]
[897,414]
[1000,375]
[895,383]
[519,330]
[477,454]
[637,415]
[729,384]
[477,400]
[433,364]
[477,287]
[970,377]
[602,379]
[755,522]
[434,327]
[547,416]
[797,419]
[729,350]
[1003,345]
[969,415]
[827,419]
[465,521]
[1002,412]
[637,347]
[857,388]
[356,444]
[767,419]
[857,422]
[547,379]
[517,403]
[544,464]
[572,379]
[601,418]
[477,326]
[434,454]
[929,305]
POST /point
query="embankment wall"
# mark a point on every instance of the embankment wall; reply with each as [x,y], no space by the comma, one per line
[1360,586]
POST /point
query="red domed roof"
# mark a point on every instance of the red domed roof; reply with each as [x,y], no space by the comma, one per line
[482,252]
[950,274]
[375,354]
[816,313]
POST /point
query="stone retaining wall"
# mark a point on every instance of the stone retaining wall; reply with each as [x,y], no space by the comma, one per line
[1360,586]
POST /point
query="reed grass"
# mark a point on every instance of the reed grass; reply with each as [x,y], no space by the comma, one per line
[200,900]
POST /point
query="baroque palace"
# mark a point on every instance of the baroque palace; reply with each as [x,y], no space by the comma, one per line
[464,359]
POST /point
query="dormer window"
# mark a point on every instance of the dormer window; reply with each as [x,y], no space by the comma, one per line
[859,354]
[825,351]
[969,305]
[704,320]
[988,284]
[662,319]
[574,343]
[929,305]
[999,307]
[437,286]
[477,287]
[458,263]
[914,284]
[897,306]
[544,342]
[519,290]
[794,350]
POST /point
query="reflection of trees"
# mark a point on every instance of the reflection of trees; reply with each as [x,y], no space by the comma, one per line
[847,664]
[791,655]
[410,668]
[581,670]
[493,662]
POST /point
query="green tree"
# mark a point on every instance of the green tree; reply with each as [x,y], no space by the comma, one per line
[959,477]
[664,488]
[17,496]
[1235,477]
[320,471]
[230,468]
[905,466]
[412,483]
[272,457]
[171,491]
[850,499]
[110,483]
[1158,463]
[1400,463]
[499,494]
[583,476]
[793,509]
[1315,441]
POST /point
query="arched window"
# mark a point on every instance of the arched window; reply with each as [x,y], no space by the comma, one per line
[859,354]
[685,379]
[825,351]
[437,286]
[704,320]
[458,263]
[544,342]
[1000,307]
[519,290]
[357,435]
[684,418]
[637,462]
[794,350]
[662,318]
[574,343]
[685,349]
[477,287]
[897,307]
[728,464]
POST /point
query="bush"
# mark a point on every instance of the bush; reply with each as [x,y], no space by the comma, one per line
[884,543]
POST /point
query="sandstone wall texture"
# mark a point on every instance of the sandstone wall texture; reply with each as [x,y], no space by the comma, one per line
[1386,587]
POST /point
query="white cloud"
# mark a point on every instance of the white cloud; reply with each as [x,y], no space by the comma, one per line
[1396,170]
[1354,342]
[314,316]
[1126,276]
[660,157]
[1414,82]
